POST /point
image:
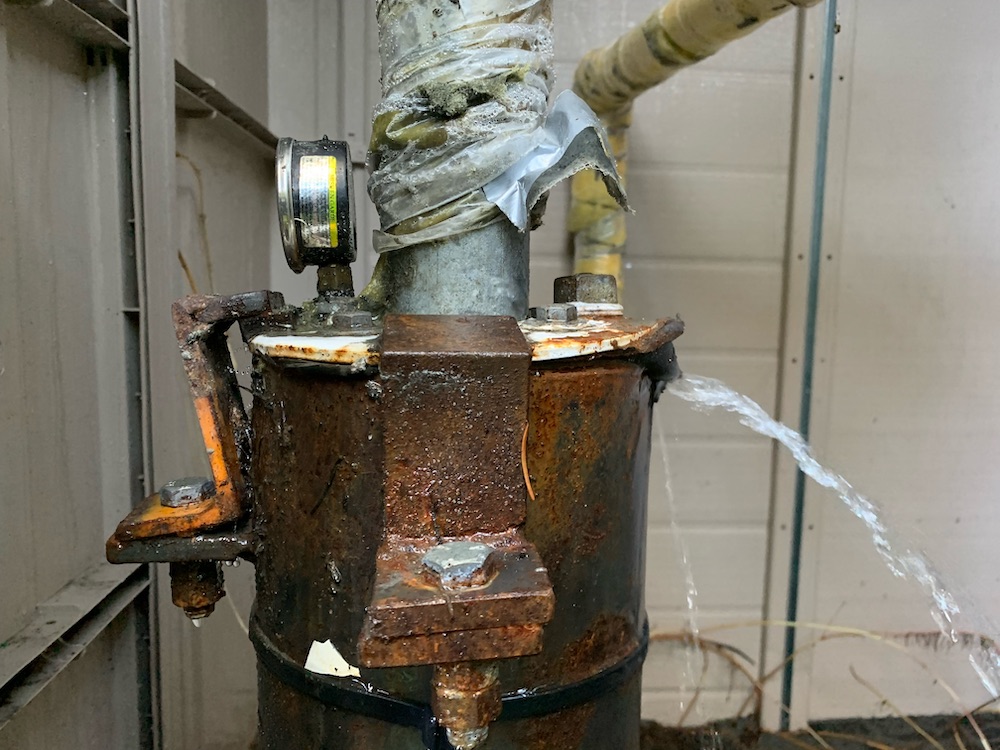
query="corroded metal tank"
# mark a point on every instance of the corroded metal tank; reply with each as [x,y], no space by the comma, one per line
[319,474]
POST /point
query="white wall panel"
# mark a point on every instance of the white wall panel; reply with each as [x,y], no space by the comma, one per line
[708,180]
[902,403]
[66,331]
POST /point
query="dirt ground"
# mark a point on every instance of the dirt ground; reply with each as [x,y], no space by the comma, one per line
[841,734]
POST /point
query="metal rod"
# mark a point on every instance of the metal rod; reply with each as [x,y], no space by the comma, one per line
[809,351]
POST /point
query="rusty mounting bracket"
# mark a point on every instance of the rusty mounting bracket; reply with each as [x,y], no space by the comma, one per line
[201,323]
[457,391]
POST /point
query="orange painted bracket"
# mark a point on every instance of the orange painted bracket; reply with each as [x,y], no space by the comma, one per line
[151,519]
[201,323]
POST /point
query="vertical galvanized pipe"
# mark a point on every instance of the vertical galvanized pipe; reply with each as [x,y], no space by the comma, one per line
[459,81]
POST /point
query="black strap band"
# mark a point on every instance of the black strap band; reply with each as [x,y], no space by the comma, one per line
[358,697]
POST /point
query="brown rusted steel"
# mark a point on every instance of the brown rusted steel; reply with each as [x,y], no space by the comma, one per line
[481,644]
[318,474]
[201,323]
[320,532]
[456,389]
[408,599]
[195,587]
[466,696]
[609,337]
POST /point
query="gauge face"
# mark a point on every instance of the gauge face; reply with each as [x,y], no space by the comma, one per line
[315,207]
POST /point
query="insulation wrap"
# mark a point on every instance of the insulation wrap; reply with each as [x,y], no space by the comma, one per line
[463,123]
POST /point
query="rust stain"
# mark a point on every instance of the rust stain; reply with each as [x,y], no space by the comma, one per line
[562,731]
[594,336]
[609,640]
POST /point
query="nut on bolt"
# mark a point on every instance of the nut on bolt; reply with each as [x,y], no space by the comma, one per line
[460,564]
[352,320]
[601,288]
[466,699]
[560,313]
[180,492]
[195,587]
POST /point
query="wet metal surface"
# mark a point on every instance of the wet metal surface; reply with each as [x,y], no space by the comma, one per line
[195,587]
[221,544]
[357,474]
[587,455]
[200,323]
[456,388]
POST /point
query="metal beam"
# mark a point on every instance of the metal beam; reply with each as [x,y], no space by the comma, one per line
[63,626]
[93,22]
[200,96]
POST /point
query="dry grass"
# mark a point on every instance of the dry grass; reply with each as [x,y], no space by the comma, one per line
[908,644]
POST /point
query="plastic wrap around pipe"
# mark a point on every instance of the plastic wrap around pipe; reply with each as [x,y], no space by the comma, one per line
[464,149]
[461,83]
[679,34]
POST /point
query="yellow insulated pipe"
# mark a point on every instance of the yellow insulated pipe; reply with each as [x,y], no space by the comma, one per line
[677,35]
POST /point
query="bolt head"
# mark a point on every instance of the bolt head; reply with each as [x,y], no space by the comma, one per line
[351,320]
[199,613]
[599,288]
[559,313]
[180,492]
[459,564]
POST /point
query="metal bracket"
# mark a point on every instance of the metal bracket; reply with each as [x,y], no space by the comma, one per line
[457,390]
[201,323]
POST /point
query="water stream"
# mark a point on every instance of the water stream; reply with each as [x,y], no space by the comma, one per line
[684,563]
[901,557]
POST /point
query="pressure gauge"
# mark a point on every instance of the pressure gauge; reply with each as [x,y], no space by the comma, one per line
[315,203]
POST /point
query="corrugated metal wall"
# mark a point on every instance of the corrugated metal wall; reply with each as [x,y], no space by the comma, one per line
[123,189]
[69,389]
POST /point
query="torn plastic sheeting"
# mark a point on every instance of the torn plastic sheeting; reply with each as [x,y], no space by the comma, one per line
[572,139]
[483,10]
[461,83]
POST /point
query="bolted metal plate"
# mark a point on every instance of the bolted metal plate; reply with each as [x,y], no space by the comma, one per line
[410,600]
[457,390]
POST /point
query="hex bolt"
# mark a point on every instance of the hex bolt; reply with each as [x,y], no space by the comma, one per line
[466,699]
[558,313]
[601,288]
[196,586]
[180,492]
[459,564]
[351,320]
[335,281]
